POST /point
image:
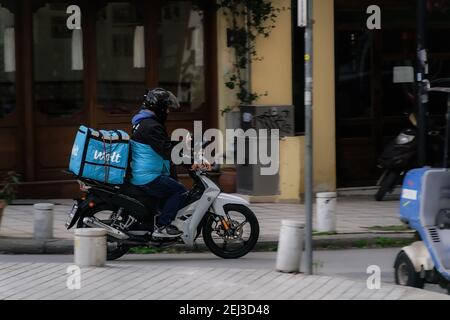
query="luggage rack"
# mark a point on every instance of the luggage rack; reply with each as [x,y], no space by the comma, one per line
[91,182]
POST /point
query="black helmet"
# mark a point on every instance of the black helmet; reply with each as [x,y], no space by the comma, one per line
[159,98]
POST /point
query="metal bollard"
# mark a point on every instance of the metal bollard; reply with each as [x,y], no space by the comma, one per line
[326,211]
[290,246]
[43,220]
[90,247]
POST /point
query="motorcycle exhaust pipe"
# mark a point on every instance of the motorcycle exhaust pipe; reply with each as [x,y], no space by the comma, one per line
[94,223]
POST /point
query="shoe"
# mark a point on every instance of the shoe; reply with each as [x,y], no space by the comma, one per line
[169,231]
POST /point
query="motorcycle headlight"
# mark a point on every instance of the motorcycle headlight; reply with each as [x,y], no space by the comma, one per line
[404,138]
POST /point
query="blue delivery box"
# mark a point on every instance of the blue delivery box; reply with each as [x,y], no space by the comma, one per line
[100,155]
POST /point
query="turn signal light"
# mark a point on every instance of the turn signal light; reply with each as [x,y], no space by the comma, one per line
[91,204]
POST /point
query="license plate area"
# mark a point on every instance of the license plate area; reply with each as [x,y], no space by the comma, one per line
[71,215]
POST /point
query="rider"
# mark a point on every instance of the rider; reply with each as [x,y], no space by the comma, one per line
[151,148]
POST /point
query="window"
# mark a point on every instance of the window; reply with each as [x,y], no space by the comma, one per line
[181,63]
[120,57]
[353,74]
[58,72]
[7,63]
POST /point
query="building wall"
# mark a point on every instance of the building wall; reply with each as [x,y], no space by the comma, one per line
[224,65]
[324,97]
[274,75]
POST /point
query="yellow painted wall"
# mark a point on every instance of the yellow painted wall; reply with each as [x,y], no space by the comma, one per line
[324,97]
[274,75]
[291,168]
[224,65]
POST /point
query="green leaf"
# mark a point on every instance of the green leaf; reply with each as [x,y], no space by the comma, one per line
[230,85]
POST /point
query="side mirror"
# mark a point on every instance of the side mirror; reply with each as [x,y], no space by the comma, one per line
[403,74]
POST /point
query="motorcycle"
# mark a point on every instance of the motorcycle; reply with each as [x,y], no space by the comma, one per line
[228,226]
[398,156]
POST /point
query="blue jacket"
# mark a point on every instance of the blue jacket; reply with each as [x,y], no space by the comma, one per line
[150,149]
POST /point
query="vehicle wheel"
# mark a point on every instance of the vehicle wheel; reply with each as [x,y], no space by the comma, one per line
[405,274]
[115,249]
[242,234]
[387,184]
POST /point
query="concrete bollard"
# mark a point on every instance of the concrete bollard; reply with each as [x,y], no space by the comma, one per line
[326,212]
[43,220]
[90,247]
[290,246]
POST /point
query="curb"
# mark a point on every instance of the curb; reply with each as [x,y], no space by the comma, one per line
[339,241]
[34,246]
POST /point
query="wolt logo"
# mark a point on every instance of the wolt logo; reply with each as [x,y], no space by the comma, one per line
[101,155]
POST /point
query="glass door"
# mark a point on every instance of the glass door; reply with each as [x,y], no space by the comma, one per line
[10,149]
[58,91]
[370,108]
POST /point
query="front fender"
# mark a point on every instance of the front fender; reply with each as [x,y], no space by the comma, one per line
[418,253]
[225,198]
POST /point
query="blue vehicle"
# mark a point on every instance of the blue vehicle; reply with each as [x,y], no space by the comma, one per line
[425,207]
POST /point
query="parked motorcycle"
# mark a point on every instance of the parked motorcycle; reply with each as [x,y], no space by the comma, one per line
[228,227]
[398,156]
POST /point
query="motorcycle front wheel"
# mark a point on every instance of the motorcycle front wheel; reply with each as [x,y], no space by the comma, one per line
[233,236]
[387,184]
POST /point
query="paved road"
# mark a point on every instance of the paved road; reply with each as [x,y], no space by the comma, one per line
[344,263]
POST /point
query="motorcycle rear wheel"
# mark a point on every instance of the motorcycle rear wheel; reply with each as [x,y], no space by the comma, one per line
[233,245]
[387,184]
[115,250]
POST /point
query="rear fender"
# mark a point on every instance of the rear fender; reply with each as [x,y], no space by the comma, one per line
[83,205]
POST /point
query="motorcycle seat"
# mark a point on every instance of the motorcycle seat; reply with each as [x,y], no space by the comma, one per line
[132,191]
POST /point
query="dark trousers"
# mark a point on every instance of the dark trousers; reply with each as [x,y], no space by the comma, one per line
[171,192]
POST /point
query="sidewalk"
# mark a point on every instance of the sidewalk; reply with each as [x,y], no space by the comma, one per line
[119,281]
[358,219]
